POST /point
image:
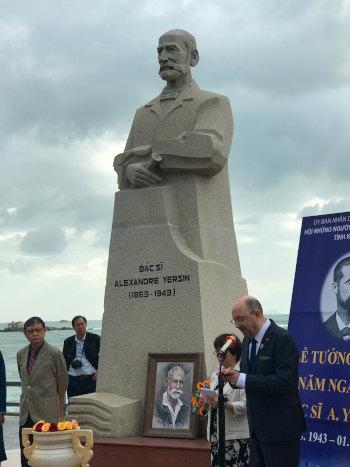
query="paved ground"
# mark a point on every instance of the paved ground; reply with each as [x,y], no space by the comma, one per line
[13,459]
[10,428]
[11,442]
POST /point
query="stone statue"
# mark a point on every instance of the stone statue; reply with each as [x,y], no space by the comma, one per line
[173,269]
[183,130]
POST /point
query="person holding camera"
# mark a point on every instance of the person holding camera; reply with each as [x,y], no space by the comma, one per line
[81,353]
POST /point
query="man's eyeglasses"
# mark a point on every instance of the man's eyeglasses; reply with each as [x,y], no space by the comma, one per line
[240,319]
[34,331]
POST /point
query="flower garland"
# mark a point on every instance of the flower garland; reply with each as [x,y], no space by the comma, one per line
[198,407]
[42,426]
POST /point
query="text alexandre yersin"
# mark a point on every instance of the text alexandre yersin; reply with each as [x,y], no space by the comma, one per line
[159,280]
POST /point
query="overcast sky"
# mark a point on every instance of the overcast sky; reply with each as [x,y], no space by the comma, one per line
[73,73]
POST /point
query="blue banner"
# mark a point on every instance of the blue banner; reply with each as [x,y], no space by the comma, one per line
[320,323]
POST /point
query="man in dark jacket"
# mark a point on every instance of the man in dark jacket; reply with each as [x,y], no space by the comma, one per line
[269,375]
[2,406]
[81,353]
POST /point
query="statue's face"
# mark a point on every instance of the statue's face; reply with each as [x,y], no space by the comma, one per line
[173,58]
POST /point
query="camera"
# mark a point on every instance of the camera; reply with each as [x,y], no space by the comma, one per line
[77,364]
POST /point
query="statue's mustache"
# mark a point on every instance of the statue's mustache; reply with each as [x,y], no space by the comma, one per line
[175,66]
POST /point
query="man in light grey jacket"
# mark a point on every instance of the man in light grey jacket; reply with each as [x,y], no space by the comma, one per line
[44,379]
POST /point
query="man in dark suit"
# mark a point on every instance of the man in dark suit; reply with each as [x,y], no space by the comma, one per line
[338,324]
[2,406]
[269,374]
[81,353]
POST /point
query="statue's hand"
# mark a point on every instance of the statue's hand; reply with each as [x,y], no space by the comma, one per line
[139,176]
[124,156]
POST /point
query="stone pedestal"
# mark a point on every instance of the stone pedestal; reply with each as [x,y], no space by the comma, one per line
[173,274]
[107,414]
[155,452]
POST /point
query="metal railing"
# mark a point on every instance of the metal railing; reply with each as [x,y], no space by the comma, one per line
[13,403]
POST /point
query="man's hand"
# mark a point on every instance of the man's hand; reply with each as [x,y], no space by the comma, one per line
[2,418]
[94,376]
[231,375]
[139,176]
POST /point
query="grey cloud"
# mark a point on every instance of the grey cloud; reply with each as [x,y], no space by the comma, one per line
[280,140]
[80,71]
[6,215]
[331,207]
[281,49]
[102,239]
[84,71]
[52,184]
[71,73]
[21,266]
[251,220]
[310,211]
[46,240]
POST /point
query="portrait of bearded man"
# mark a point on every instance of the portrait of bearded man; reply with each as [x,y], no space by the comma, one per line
[171,411]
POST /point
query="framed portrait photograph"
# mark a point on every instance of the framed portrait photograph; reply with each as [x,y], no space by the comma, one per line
[171,382]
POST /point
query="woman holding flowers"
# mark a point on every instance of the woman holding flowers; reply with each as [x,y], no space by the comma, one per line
[236,423]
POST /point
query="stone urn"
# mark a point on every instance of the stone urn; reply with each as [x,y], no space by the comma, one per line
[58,448]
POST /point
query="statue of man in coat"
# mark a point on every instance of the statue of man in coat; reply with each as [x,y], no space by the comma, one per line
[173,207]
[182,131]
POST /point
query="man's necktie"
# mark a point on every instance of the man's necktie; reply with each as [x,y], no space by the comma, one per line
[31,361]
[345,331]
[252,352]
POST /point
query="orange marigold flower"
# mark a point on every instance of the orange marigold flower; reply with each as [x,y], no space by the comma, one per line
[68,425]
[45,427]
[61,426]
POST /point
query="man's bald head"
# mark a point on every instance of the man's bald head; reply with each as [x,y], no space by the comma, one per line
[247,314]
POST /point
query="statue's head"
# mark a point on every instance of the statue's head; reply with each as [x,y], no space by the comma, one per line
[177,52]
